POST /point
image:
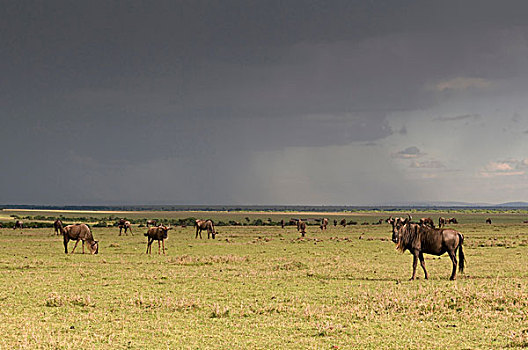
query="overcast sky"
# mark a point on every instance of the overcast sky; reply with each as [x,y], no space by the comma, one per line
[263,102]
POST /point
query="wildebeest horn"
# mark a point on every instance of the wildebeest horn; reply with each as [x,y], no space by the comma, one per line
[410,217]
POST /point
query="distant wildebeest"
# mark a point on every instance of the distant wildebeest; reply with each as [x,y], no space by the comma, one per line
[421,239]
[79,232]
[1,226]
[205,225]
[282,223]
[443,221]
[524,222]
[343,223]
[159,234]
[335,222]
[301,226]
[151,223]
[18,224]
[126,226]
[324,223]
[57,226]
[427,221]
[488,221]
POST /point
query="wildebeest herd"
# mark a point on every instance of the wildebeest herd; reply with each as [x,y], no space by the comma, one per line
[418,238]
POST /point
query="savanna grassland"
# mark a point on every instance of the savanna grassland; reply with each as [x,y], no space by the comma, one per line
[262,287]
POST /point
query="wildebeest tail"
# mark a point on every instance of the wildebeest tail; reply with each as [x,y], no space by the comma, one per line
[461,259]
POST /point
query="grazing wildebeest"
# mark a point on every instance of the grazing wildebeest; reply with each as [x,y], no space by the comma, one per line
[125,225]
[324,223]
[488,221]
[205,225]
[443,221]
[151,223]
[158,233]
[343,223]
[421,239]
[427,221]
[282,223]
[57,226]
[18,224]
[79,232]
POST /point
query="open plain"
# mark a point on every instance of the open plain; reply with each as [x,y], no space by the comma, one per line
[263,287]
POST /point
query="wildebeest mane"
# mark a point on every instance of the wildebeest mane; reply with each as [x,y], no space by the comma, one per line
[409,236]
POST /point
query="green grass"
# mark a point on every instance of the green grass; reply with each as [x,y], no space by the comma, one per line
[262,288]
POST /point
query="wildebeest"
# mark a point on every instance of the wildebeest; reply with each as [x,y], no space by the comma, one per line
[18,224]
[427,221]
[282,223]
[125,225]
[57,226]
[443,221]
[79,232]
[343,223]
[324,223]
[151,223]
[335,222]
[159,233]
[488,221]
[205,225]
[524,222]
[420,239]
[301,226]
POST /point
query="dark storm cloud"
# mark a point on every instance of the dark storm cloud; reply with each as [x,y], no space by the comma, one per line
[409,152]
[459,117]
[92,89]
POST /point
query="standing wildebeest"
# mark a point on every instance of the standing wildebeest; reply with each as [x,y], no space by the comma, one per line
[427,221]
[151,223]
[488,221]
[125,225]
[301,226]
[324,223]
[343,223]
[18,224]
[79,232]
[420,239]
[57,226]
[158,233]
[205,225]
[335,222]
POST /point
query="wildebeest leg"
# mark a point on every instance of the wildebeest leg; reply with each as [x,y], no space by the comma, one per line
[149,245]
[415,263]
[159,247]
[452,255]
[120,230]
[83,247]
[66,240]
[75,246]
[422,262]
[163,243]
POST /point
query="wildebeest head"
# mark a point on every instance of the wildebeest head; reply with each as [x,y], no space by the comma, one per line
[94,247]
[165,230]
[397,224]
